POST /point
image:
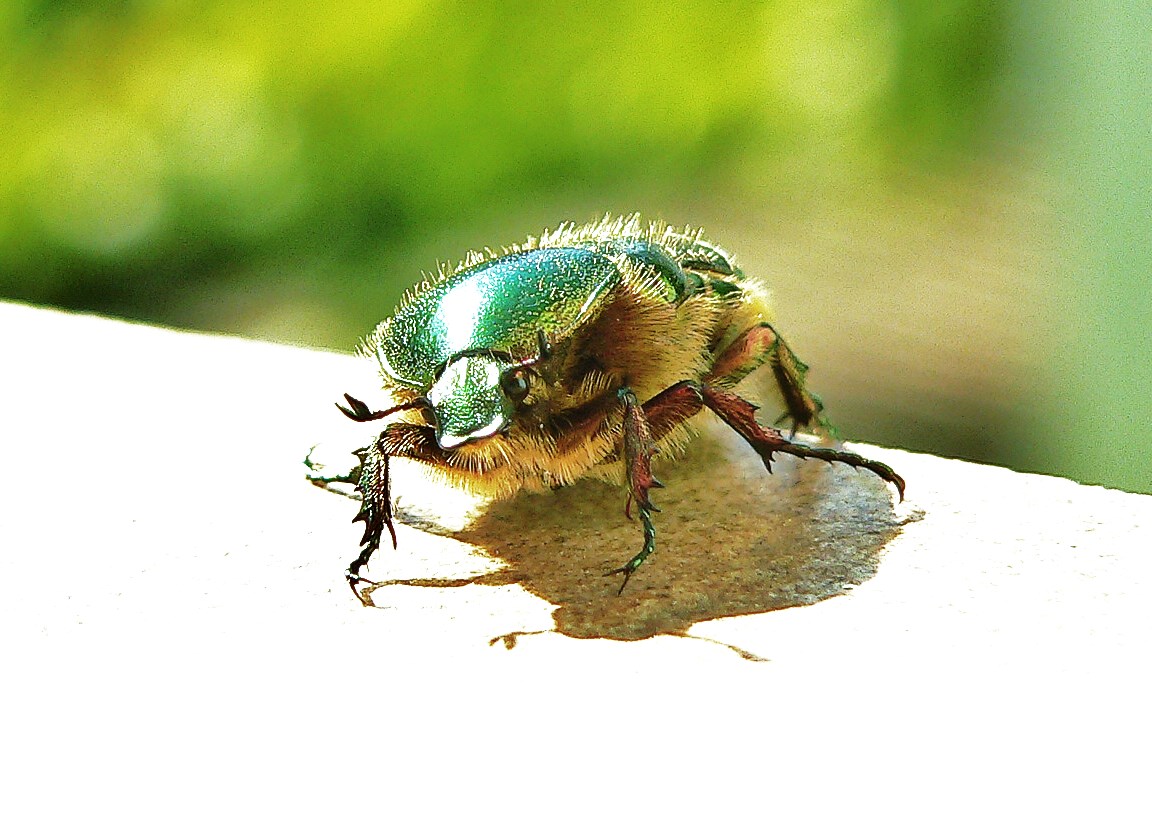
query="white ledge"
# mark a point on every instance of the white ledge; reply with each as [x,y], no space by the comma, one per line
[181,641]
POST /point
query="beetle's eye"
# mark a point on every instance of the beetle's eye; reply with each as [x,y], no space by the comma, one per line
[514,382]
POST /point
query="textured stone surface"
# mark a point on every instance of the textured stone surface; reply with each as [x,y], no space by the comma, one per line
[180,646]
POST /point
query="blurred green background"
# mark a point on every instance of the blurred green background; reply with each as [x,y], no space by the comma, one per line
[949,198]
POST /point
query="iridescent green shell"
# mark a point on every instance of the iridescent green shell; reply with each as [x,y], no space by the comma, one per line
[499,305]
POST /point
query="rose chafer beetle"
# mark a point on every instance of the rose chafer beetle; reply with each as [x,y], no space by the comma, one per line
[571,355]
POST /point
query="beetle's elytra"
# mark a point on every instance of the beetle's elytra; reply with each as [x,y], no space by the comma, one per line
[575,354]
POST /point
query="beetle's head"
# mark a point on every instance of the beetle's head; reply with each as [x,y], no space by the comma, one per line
[476,396]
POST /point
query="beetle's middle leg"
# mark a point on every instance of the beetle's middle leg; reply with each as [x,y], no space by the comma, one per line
[762,344]
[642,425]
[638,450]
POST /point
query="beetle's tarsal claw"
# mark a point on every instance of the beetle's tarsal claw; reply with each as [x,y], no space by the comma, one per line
[354,581]
[626,570]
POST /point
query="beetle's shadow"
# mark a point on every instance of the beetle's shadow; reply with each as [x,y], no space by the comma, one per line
[732,539]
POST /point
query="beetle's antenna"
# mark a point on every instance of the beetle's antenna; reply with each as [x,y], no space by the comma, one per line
[360,411]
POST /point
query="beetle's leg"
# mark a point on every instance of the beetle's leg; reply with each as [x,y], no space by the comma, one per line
[325,482]
[739,415]
[672,407]
[642,426]
[375,511]
[762,344]
[638,450]
[407,440]
[649,546]
[371,478]
[669,409]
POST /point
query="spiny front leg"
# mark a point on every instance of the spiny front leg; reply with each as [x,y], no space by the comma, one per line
[408,440]
[375,511]
[763,344]
[740,416]
[371,477]
[638,450]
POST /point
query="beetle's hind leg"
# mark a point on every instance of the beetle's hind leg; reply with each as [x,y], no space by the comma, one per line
[739,415]
[762,344]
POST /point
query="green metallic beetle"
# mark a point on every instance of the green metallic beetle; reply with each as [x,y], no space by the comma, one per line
[572,355]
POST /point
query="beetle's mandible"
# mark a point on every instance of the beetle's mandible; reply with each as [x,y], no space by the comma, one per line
[571,355]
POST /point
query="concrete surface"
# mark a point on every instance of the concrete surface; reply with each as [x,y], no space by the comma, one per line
[181,653]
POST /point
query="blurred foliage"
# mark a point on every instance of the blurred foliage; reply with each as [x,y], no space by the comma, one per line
[152,146]
[285,169]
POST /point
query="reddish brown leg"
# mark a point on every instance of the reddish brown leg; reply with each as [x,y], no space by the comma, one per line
[672,407]
[642,425]
[763,344]
[638,450]
[739,415]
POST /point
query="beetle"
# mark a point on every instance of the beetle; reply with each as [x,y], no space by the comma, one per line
[571,355]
